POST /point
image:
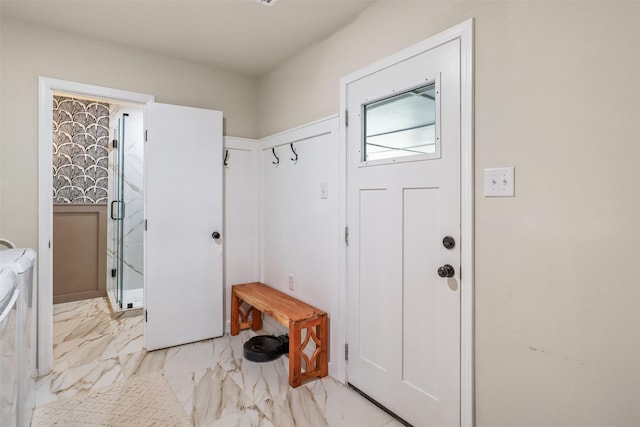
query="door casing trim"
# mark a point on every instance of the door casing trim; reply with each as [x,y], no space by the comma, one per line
[46,87]
[464,32]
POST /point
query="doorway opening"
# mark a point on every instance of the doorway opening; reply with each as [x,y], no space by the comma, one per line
[126,102]
[97,201]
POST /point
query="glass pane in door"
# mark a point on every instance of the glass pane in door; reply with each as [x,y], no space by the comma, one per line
[132,217]
[126,221]
[401,125]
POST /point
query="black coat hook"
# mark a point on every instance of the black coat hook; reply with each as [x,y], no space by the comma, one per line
[226,157]
[273,150]
[294,159]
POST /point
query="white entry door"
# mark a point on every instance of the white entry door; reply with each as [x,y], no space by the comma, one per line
[403,208]
[183,209]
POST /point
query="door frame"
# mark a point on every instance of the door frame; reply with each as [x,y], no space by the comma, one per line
[464,33]
[46,87]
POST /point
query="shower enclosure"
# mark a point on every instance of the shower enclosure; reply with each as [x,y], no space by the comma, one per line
[125,225]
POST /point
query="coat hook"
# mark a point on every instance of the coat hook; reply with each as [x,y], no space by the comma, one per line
[294,159]
[226,157]
[273,150]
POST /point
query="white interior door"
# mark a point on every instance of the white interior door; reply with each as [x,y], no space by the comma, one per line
[403,199]
[183,208]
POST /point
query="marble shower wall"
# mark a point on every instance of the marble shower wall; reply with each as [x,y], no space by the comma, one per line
[133,222]
[80,140]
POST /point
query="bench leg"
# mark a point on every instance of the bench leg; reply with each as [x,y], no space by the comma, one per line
[295,359]
[235,314]
[239,319]
[256,318]
[317,365]
[323,358]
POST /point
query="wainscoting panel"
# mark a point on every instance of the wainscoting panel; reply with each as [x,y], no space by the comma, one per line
[79,252]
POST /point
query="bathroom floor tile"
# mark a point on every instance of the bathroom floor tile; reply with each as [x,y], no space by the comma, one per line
[82,327]
[83,308]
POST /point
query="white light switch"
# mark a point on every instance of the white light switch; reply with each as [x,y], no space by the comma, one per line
[324,190]
[499,182]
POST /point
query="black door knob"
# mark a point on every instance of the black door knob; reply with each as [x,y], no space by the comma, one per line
[446,271]
[449,242]
[215,235]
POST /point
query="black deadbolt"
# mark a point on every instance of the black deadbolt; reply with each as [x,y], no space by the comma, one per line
[215,235]
[449,242]
[446,271]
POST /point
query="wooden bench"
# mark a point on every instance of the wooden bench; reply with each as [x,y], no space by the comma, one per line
[292,313]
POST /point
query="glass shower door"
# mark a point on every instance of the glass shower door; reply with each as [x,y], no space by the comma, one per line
[126,223]
[117,210]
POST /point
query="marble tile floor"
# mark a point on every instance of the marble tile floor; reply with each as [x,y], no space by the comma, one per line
[213,384]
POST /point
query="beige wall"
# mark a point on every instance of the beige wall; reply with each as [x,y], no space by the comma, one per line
[557,288]
[27,52]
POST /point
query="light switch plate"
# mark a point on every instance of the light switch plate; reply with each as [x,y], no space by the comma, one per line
[324,190]
[499,182]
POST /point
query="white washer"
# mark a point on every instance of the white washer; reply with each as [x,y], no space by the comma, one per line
[9,347]
[22,261]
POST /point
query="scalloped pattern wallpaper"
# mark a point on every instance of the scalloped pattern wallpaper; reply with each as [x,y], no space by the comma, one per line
[80,150]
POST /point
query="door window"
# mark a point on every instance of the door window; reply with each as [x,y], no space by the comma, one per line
[402,127]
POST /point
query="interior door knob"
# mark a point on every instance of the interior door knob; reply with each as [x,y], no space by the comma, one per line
[215,235]
[446,271]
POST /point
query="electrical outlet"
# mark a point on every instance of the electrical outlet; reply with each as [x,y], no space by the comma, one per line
[499,182]
[291,281]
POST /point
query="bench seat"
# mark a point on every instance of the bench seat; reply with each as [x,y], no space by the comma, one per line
[291,313]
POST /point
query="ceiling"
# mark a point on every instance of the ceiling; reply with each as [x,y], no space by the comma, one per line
[242,36]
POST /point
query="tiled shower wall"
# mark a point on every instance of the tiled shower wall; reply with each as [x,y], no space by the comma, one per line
[80,139]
